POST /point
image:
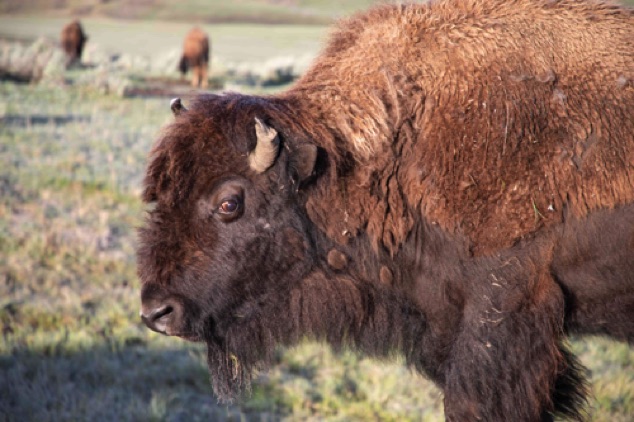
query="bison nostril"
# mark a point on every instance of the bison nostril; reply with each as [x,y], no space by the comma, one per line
[158,318]
[161,312]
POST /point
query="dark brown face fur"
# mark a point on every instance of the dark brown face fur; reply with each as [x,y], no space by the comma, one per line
[220,238]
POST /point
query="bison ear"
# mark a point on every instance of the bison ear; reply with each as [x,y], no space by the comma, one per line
[303,160]
[177,107]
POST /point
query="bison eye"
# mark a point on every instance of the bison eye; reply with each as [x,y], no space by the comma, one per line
[229,206]
[226,202]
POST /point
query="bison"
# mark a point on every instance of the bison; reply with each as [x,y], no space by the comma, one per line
[73,40]
[450,182]
[195,56]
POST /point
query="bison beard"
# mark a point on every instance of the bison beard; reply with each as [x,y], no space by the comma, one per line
[231,374]
[450,182]
[339,311]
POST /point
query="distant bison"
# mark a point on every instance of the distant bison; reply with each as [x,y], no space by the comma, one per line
[73,40]
[196,56]
[453,182]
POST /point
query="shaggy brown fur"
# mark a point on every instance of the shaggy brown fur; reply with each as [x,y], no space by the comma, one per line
[471,202]
[73,40]
[499,126]
[196,56]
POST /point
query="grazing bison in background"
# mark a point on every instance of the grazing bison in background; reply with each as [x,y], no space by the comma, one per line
[453,182]
[196,57]
[73,40]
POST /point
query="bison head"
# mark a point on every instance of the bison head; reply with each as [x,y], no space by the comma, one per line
[225,236]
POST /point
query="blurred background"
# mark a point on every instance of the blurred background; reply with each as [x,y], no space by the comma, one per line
[74,135]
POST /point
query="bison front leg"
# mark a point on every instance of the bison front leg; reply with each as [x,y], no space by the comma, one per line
[196,76]
[204,83]
[508,362]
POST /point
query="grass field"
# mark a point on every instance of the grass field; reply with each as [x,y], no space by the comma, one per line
[72,346]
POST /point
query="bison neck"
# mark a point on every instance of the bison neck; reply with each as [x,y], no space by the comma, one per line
[344,312]
[362,178]
[371,319]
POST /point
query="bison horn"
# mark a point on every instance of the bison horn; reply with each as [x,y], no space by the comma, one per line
[265,152]
[177,107]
